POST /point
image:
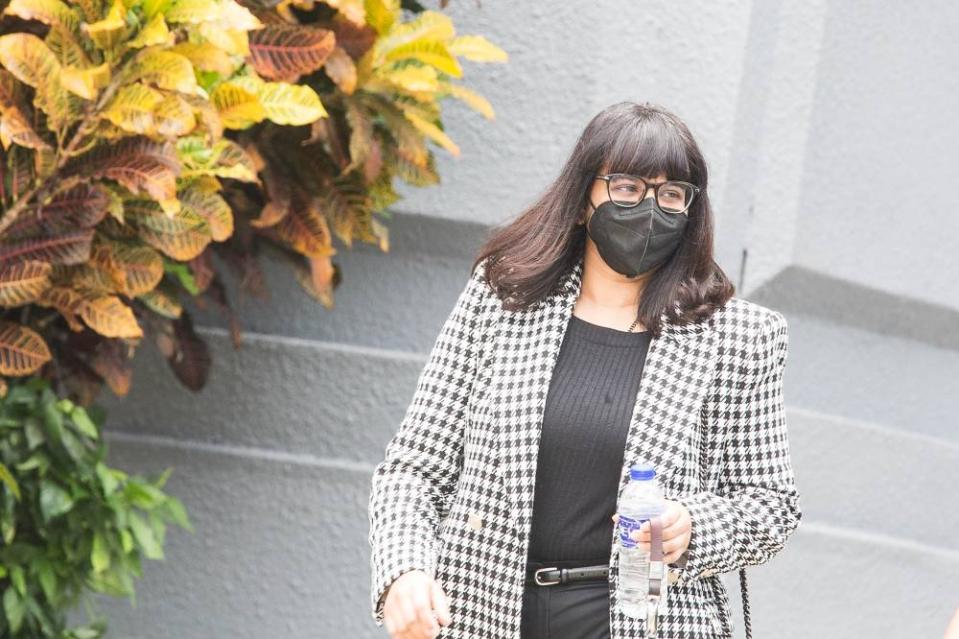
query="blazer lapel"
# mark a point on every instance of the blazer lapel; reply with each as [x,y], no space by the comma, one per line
[679,368]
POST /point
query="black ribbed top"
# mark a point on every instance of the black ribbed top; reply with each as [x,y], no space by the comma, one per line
[591,399]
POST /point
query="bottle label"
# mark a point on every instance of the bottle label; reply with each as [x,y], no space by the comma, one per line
[626,526]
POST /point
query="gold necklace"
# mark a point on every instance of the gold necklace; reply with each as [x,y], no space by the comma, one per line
[633,325]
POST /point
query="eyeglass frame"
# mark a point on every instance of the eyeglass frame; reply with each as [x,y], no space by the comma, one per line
[654,185]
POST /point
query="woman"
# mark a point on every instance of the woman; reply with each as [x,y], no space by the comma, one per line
[596,331]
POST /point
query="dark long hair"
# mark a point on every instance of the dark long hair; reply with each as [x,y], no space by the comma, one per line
[529,255]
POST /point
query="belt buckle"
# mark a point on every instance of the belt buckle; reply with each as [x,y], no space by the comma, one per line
[544,583]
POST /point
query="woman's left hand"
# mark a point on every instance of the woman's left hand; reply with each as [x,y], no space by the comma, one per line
[677,525]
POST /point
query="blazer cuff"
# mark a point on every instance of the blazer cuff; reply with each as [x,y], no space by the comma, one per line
[393,562]
[728,533]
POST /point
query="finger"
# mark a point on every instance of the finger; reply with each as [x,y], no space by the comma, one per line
[668,517]
[672,546]
[441,605]
[425,623]
[670,530]
[641,534]
[615,518]
[392,620]
[672,514]
[682,515]
[674,556]
[427,628]
[407,617]
[679,529]
[644,543]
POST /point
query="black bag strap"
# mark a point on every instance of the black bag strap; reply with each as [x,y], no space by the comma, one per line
[742,588]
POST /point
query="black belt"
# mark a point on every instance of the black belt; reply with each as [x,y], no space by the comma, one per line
[551,575]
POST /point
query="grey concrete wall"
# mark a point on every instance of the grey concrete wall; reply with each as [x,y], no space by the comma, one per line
[826,126]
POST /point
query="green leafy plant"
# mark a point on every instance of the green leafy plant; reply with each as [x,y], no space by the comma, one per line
[69,523]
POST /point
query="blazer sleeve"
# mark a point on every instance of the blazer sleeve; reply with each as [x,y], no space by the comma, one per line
[756,505]
[422,461]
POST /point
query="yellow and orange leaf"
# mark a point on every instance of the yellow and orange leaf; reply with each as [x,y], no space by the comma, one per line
[22,350]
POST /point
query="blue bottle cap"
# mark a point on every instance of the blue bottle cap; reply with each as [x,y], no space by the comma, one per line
[642,471]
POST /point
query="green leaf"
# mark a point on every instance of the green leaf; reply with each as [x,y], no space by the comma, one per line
[48,578]
[39,616]
[34,432]
[111,582]
[13,608]
[100,556]
[77,450]
[83,423]
[8,527]
[52,418]
[94,630]
[143,495]
[16,576]
[183,274]
[145,537]
[7,477]
[37,460]
[54,500]
[126,540]
[174,509]
[107,478]
[164,476]
[21,394]
[158,526]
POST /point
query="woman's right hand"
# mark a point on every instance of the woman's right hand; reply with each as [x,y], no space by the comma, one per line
[408,611]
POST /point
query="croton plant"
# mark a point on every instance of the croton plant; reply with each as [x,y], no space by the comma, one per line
[145,145]
[143,137]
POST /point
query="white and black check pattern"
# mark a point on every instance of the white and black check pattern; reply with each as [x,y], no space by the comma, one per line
[453,495]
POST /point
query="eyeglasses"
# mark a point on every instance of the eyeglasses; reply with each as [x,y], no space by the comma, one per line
[673,196]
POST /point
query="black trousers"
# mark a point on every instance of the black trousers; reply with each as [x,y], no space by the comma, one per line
[578,610]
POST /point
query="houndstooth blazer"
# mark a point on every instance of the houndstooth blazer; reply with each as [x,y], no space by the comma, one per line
[453,495]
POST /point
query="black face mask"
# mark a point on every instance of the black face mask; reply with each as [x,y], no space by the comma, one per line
[635,240]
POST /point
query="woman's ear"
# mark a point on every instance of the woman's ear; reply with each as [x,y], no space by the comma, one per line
[584,216]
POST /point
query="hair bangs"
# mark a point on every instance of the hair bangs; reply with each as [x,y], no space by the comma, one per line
[647,148]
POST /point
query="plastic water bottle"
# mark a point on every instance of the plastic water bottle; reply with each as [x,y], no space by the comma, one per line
[641,500]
